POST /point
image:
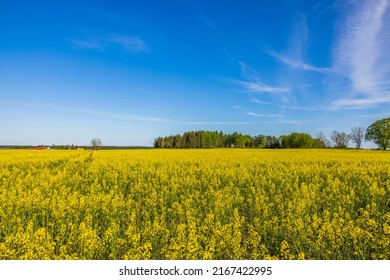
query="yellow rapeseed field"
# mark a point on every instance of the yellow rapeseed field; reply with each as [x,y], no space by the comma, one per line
[195,204]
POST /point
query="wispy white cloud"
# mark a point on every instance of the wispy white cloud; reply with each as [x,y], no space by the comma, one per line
[129,43]
[182,122]
[306,85]
[297,64]
[320,9]
[296,50]
[362,54]
[259,87]
[253,83]
[207,21]
[254,100]
[178,122]
[265,115]
[360,103]
[293,122]
[87,44]
[48,107]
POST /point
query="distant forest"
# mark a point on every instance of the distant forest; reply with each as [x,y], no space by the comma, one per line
[215,139]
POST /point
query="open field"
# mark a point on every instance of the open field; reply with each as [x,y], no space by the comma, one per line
[195,204]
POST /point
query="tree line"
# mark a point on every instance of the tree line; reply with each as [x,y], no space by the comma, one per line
[215,139]
[378,132]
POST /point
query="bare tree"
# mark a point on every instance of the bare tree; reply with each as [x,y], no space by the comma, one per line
[96,143]
[340,139]
[323,138]
[357,136]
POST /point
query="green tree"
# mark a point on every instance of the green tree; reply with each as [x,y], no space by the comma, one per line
[177,141]
[297,140]
[301,140]
[238,140]
[159,142]
[257,141]
[272,142]
[379,133]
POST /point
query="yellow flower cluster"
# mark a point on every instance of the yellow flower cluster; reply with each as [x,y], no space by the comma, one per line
[195,204]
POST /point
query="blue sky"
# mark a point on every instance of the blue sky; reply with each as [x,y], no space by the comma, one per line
[129,71]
